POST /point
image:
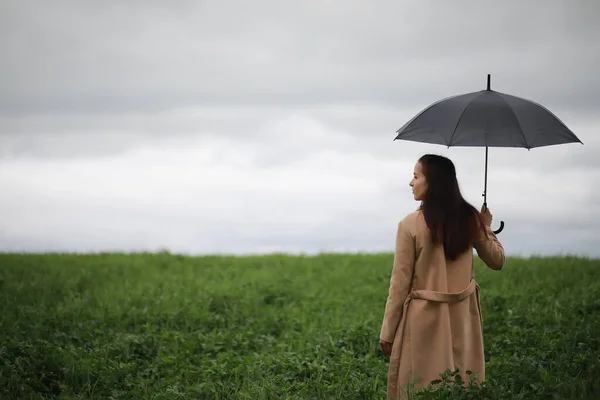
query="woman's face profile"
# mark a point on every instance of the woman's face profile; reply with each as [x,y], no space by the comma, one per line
[418,183]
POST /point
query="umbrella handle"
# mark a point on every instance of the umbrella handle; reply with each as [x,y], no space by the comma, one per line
[500,229]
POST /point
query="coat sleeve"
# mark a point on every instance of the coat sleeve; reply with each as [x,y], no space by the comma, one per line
[400,281]
[489,248]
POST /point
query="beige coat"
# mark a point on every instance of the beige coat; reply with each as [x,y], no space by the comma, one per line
[433,314]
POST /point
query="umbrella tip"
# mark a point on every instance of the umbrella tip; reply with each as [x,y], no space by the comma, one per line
[489,81]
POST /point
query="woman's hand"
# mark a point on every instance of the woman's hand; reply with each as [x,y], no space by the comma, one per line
[386,347]
[486,215]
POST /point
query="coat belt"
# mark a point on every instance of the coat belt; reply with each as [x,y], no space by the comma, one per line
[444,297]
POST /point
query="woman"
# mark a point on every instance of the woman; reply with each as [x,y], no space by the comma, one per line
[432,317]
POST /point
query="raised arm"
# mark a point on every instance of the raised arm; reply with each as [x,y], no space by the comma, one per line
[489,248]
[404,264]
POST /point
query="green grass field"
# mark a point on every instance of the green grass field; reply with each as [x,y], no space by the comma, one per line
[161,326]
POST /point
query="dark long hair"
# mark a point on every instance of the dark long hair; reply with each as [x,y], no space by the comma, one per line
[450,218]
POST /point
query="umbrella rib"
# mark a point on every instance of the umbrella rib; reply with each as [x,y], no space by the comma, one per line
[423,111]
[549,112]
[459,119]
[517,119]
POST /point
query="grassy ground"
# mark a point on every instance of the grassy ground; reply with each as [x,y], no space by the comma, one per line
[160,326]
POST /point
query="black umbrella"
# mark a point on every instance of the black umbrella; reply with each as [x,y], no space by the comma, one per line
[487,119]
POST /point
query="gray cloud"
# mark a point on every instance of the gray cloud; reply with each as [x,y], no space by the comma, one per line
[273,137]
[80,57]
[90,135]
[184,125]
[212,196]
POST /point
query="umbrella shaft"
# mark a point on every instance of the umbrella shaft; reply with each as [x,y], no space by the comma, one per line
[485,179]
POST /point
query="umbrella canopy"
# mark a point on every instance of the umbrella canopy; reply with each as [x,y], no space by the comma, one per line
[487,119]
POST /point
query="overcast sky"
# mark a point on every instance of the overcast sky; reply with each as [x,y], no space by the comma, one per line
[252,127]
